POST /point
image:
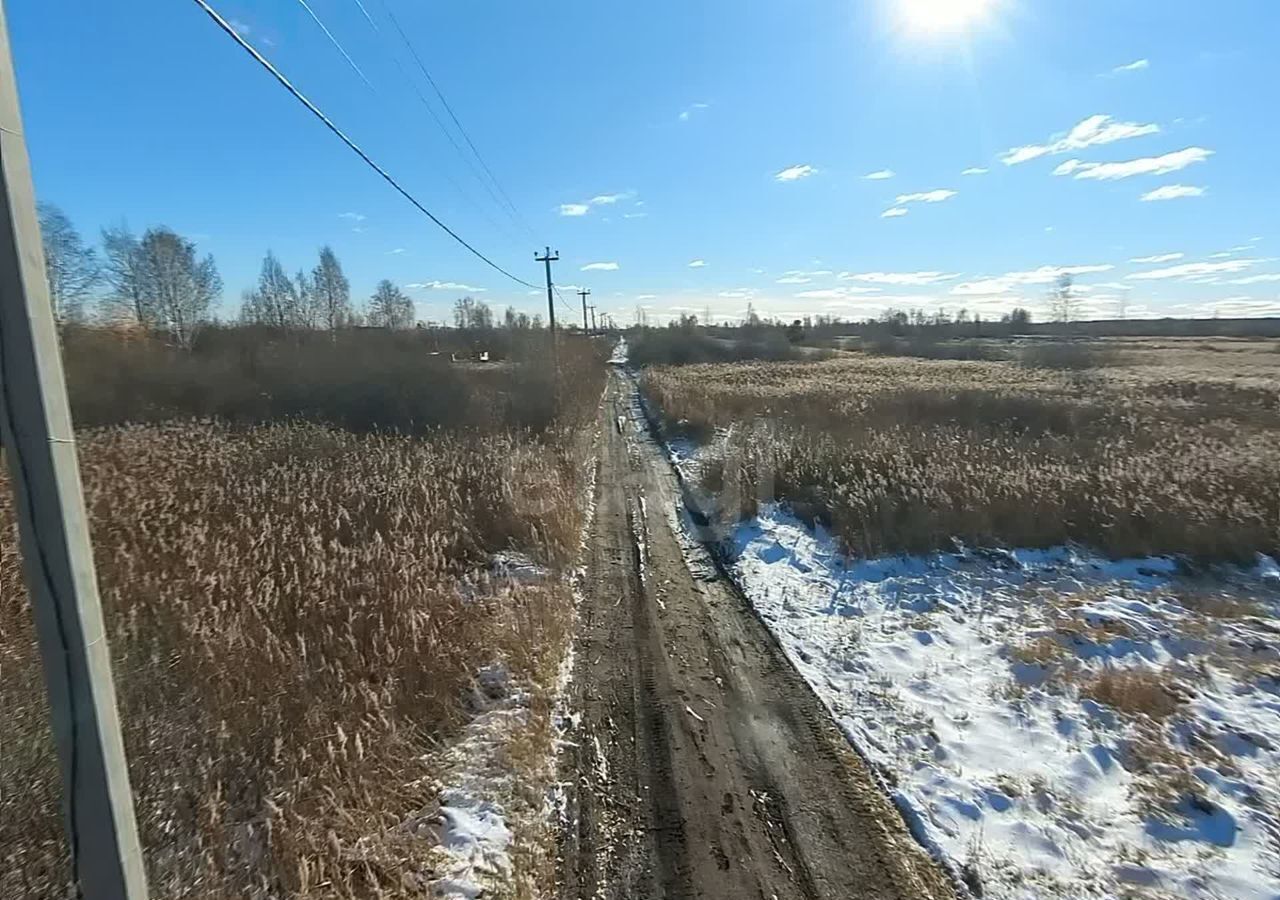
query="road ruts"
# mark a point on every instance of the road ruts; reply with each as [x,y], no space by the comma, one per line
[701,765]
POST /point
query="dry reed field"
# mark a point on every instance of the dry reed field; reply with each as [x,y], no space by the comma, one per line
[1173,447]
[298,614]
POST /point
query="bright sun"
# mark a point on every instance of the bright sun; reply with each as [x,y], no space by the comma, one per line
[942,15]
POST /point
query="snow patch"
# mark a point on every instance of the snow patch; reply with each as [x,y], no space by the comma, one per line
[931,666]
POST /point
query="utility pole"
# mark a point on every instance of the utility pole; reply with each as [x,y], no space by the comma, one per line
[35,426]
[584,293]
[551,304]
[593,319]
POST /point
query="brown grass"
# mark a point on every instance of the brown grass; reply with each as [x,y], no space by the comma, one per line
[1134,692]
[295,614]
[1167,456]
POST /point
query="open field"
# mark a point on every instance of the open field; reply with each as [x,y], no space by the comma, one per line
[1170,450]
[307,623]
[1042,602]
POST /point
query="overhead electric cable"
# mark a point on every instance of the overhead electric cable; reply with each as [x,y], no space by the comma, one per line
[266,64]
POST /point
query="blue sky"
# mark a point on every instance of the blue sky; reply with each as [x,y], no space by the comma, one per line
[648,138]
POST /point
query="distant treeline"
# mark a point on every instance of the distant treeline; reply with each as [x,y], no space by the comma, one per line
[158,283]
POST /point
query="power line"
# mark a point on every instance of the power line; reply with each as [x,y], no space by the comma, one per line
[449,109]
[226,27]
[444,129]
[333,40]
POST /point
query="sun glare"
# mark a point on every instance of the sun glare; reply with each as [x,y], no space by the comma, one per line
[942,15]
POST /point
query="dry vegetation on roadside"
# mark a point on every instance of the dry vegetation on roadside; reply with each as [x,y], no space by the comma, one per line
[297,613]
[1173,452]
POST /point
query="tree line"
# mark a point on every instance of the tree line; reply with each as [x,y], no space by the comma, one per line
[159,282]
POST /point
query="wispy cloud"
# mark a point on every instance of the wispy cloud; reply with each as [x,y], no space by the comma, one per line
[396,252]
[687,113]
[796,276]
[1147,165]
[444,286]
[894,212]
[239,27]
[574,209]
[926,197]
[795,173]
[794,279]
[974,170]
[1157,258]
[1136,66]
[601,267]
[1257,279]
[610,199]
[635,215]
[1003,284]
[916,279]
[1173,192]
[737,294]
[697,263]
[646,296]
[1196,269]
[352,216]
[1091,132]
[879,176]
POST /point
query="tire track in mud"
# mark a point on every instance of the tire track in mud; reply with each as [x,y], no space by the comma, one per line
[701,765]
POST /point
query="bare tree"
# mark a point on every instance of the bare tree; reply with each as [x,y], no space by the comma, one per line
[70,266]
[123,273]
[275,301]
[1062,299]
[174,288]
[472,314]
[390,307]
[332,292]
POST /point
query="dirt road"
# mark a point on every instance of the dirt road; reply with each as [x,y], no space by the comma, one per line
[702,765]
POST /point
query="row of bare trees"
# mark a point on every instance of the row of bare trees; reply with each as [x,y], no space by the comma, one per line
[157,281]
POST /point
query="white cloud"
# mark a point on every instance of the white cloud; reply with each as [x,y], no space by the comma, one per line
[635,215]
[926,197]
[688,111]
[894,213]
[1222,254]
[396,252]
[1196,270]
[1091,132]
[239,27]
[794,279]
[1158,258]
[974,170]
[353,216]
[899,278]
[444,286]
[1135,66]
[574,209]
[647,297]
[600,267]
[610,199]
[1148,165]
[880,175]
[795,173]
[697,263]
[1173,192]
[737,294]
[1256,279]
[1003,284]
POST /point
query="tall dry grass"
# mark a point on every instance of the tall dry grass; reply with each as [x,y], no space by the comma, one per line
[296,614]
[910,455]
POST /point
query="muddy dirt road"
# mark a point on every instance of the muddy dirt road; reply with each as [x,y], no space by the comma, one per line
[702,765]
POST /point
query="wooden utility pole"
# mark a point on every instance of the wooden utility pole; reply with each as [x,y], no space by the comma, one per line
[593,319]
[551,303]
[35,426]
[584,293]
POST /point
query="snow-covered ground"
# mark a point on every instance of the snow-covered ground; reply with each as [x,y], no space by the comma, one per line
[962,677]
